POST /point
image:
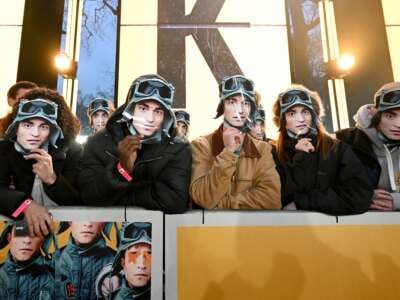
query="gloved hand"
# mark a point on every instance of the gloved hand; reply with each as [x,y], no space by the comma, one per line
[127,149]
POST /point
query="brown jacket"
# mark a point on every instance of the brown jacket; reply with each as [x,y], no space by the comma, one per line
[222,180]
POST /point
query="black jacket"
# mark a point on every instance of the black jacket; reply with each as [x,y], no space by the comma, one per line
[362,147]
[335,186]
[14,169]
[161,174]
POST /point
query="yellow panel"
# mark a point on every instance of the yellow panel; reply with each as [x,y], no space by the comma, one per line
[391,10]
[301,262]
[10,36]
[254,12]
[266,63]
[12,12]
[139,12]
[393,34]
[138,56]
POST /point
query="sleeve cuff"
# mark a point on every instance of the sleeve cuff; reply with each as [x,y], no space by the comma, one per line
[301,201]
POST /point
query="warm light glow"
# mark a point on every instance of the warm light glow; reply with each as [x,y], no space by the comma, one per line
[81,139]
[346,62]
[62,62]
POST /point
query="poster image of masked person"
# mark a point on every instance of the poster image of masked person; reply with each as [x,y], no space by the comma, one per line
[183,124]
[80,261]
[135,161]
[232,170]
[318,173]
[131,265]
[40,158]
[26,274]
[376,141]
[98,112]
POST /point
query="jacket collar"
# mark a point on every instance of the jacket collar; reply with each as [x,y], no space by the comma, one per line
[86,251]
[20,267]
[217,144]
[363,143]
[126,292]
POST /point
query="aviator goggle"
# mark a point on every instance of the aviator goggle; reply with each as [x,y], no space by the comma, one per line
[34,107]
[237,83]
[99,104]
[137,231]
[182,116]
[295,97]
[388,99]
[152,87]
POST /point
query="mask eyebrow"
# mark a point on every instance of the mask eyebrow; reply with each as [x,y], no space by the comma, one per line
[143,104]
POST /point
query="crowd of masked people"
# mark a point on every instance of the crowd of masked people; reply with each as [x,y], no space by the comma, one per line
[139,155]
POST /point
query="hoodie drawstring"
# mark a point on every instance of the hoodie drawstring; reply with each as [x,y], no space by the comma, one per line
[390,168]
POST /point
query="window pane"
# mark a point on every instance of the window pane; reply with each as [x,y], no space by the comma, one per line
[97,59]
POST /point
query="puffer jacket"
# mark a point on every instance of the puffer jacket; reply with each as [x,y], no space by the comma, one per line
[77,269]
[29,281]
[223,180]
[381,160]
[337,185]
[16,170]
[161,174]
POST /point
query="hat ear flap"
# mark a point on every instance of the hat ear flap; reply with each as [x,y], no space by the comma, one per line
[220,109]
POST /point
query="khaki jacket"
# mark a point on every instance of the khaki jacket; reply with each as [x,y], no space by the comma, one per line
[222,180]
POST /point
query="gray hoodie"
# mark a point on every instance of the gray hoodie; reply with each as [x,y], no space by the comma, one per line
[389,158]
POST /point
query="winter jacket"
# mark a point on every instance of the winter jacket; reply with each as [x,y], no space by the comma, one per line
[161,174]
[16,170]
[380,159]
[29,281]
[337,185]
[223,180]
[77,269]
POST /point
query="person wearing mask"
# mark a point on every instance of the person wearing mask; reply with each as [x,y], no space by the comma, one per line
[182,125]
[39,159]
[231,169]
[135,161]
[318,172]
[376,141]
[98,112]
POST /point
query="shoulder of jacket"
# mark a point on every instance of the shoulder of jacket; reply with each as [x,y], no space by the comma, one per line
[204,140]
[73,146]
[100,139]
[5,145]
[347,134]
[177,147]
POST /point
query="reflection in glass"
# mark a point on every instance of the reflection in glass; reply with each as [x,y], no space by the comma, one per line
[97,54]
[97,62]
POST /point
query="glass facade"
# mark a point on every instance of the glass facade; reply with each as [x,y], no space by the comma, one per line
[97,61]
